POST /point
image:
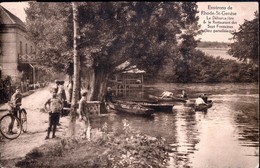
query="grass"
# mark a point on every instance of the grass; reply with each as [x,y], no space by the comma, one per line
[66,153]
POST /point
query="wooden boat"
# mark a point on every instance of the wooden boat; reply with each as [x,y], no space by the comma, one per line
[167,99]
[204,107]
[155,105]
[133,109]
[158,106]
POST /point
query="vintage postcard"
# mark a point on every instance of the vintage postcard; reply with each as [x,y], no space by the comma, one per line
[129,84]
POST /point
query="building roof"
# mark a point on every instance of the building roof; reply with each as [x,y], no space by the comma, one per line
[134,69]
[129,69]
[7,18]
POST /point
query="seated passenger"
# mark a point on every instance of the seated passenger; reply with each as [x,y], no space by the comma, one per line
[166,94]
[184,94]
[205,98]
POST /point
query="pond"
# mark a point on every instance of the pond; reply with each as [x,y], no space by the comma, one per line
[226,135]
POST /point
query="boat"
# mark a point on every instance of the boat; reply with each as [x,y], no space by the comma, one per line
[133,109]
[167,99]
[166,107]
[155,105]
[203,107]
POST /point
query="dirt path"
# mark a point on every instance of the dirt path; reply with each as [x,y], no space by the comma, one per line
[37,126]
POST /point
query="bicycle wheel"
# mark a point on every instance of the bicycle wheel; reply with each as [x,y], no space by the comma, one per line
[9,130]
[23,119]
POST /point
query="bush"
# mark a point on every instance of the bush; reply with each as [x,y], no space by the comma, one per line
[132,149]
[6,89]
[128,149]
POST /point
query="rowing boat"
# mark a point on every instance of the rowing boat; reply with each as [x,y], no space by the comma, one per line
[166,107]
[203,107]
[166,99]
[134,109]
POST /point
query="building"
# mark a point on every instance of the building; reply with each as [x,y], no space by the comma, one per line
[16,50]
[128,84]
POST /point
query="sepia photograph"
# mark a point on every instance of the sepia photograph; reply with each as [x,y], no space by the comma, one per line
[129,84]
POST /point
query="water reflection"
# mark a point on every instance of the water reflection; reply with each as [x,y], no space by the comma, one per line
[187,136]
[224,136]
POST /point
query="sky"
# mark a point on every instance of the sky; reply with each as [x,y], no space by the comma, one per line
[243,10]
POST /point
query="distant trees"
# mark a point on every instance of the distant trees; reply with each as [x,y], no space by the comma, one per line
[246,41]
[213,44]
[210,70]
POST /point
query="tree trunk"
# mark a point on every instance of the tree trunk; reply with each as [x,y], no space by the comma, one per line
[101,78]
[75,95]
[90,83]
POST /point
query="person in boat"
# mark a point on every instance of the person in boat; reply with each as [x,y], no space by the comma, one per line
[166,94]
[184,94]
[205,98]
[199,101]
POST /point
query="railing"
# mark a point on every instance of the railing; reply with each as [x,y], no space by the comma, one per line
[26,58]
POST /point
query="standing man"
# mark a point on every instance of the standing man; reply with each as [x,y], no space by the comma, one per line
[70,89]
[109,95]
[56,88]
[61,92]
[54,108]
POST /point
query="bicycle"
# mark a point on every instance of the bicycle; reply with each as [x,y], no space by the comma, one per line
[12,126]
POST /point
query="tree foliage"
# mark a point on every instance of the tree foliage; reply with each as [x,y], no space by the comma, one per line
[246,41]
[143,33]
[50,27]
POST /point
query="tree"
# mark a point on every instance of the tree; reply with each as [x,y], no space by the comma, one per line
[246,41]
[143,33]
[76,59]
[50,27]
[181,61]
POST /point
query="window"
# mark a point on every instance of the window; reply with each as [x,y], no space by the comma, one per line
[31,50]
[26,49]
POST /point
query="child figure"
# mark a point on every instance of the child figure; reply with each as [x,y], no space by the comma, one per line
[84,114]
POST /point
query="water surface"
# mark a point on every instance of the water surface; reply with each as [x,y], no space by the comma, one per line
[224,136]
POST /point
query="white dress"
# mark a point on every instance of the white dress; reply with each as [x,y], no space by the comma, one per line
[199,101]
